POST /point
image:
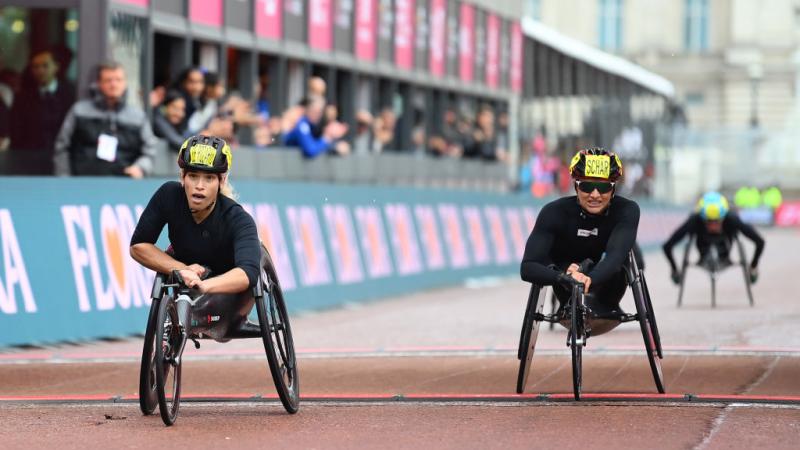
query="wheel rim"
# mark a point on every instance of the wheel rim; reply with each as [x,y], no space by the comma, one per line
[167,369]
[285,352]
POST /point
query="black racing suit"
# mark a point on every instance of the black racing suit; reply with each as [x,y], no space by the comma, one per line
[564,234]
[696,226]
[226,239]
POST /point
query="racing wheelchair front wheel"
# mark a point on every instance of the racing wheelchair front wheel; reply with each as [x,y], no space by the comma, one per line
[277,336]
[577,339]
[168,360]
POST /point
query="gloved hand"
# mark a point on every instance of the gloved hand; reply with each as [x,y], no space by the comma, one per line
[753,274]
[676,277]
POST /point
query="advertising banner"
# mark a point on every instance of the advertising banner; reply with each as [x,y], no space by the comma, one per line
[207,12]
[66,271]
[466,42]
[320,24]
[269,18]
[492,50]
[404,33]
[438,35]
[366,29]
[515,75]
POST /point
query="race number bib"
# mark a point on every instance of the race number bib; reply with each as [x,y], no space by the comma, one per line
[598,166]
[107,147]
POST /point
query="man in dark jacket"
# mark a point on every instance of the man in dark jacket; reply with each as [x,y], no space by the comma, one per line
[40,105]
[104,135]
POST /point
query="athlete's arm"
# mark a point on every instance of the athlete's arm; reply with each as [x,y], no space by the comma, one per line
[620,243]
[152,221]
[676,237]
[535,261]
[754,236]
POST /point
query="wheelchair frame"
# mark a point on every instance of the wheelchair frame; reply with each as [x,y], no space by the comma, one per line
[158,361]
[579,332]
[715,270]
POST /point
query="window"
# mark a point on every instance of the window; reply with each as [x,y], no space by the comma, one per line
[125,41]
[533,9]
[610,25]
[695,33]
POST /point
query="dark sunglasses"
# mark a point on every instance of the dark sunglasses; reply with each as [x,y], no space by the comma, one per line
[603,187]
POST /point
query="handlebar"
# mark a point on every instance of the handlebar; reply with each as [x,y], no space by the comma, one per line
[180,283]
[583,267]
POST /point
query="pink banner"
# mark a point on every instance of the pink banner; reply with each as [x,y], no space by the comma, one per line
[269,18]
[207,12]
[515,74]
[466,42]
[320,24]
[518,236]
[373,241]
[270,231]
[498,235]
[429,237]
[477,236]
[492,50]
[404,239]
[366,29]
[309,248]
[344,244]
[438,35]
[454,238]
[404,33]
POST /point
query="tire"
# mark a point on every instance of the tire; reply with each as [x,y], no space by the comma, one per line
[745,271]
[148,397]
[576,339]
[649,334]
[651,316]
[530,332]
[168,372]
[276,333]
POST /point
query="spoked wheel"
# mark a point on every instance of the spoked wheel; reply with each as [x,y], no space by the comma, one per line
[577,339]
[148,398]
[277,336]
[746,271]
[649,332]
[651,316]
[167,361]
[527,341]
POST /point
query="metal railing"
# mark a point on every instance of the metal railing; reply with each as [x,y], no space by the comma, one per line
[391,168]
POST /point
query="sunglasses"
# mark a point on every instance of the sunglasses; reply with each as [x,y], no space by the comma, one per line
[603,187]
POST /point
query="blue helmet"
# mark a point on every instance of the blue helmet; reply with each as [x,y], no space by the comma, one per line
[713,206]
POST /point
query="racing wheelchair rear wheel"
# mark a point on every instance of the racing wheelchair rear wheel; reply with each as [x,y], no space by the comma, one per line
[745,270]
[148,397]
[277,336]
[646,318]
[530,331]
[168,360]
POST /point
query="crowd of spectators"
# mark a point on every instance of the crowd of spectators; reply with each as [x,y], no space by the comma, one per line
[104,134]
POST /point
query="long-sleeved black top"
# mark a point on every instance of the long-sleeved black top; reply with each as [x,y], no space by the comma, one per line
[226,239]
[731,225]
[564,234]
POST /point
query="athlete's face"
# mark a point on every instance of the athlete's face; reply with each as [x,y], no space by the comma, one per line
[594,202]
[201,189]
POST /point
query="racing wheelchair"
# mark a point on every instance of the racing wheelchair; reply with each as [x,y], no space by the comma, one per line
[166,335]
[713,264]
[577,318]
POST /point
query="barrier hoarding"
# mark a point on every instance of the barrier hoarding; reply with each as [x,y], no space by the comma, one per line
[66,274]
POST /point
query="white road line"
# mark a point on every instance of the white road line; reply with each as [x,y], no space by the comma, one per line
[715,426]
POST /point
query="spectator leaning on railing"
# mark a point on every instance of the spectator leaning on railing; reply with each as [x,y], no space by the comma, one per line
[104,135]
[168,120]
[301,135]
